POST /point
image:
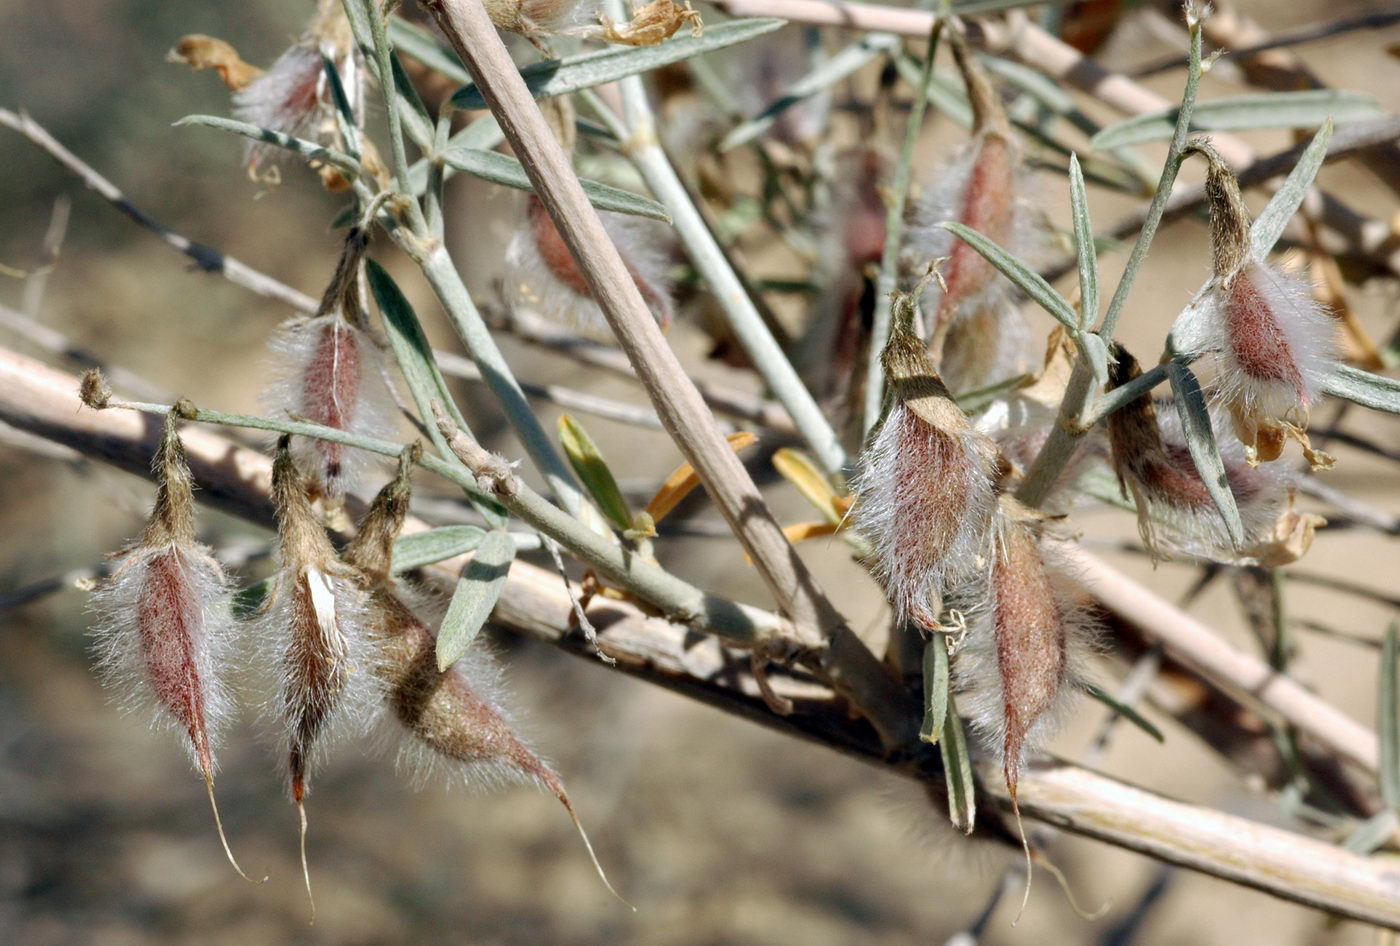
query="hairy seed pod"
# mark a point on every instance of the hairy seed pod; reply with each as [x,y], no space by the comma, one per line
[330,370]
[455,718]
[315,624]
[1274,347]
[294,96]
[924,490]
[543,275]
[1024,651]
[164,626]
[976,331]
[1175,510]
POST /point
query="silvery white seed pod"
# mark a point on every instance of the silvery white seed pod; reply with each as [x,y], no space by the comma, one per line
[1175,510]
[1026,645]
[294,96]
[164,626]
[924,491]
[976,331]
[541,273]
[330,370]
[1273,346]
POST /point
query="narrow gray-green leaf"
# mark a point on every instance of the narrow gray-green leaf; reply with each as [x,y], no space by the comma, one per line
[1306,109]
[500,169]
[562,76]
[945,92]
[845,63]
[434,545]
[1272,220]
[1388,717]
[415,359]
[1124,710]
[1026,279]
[1364,388]
[1084,247]
[1200,441]
[475,596]
[957,771]
[417,42]
[936,682]
[587,461]
[308,149]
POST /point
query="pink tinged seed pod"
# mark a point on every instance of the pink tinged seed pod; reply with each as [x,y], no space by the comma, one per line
[543,275]
[164,628]
[314,627]
[1022,657]
[835,351]
[924,491]
[294,96]
[977,333]
[330,371]
[1274,346]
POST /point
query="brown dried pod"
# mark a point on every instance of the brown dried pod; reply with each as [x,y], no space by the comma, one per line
[457,718]
[924,492]
[1273,346]
[1175,510]
[164,625]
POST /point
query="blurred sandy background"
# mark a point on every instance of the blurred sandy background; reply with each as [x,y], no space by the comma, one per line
[719,831]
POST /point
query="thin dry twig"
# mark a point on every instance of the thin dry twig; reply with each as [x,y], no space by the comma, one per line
[1199,647]
[205,257]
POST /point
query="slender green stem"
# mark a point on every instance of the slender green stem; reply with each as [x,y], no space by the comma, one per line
[1070,427]
[383,53]
[442,275]
[1125,394]
[1164,189]
[894,236]
[678,600]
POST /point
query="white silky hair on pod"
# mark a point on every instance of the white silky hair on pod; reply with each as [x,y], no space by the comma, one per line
[121,657]
[326,370]
[977,667]
[915,477]
[340,609]
[545,278]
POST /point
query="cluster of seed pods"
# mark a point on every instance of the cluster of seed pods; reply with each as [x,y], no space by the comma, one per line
[944,543]
[349,643]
